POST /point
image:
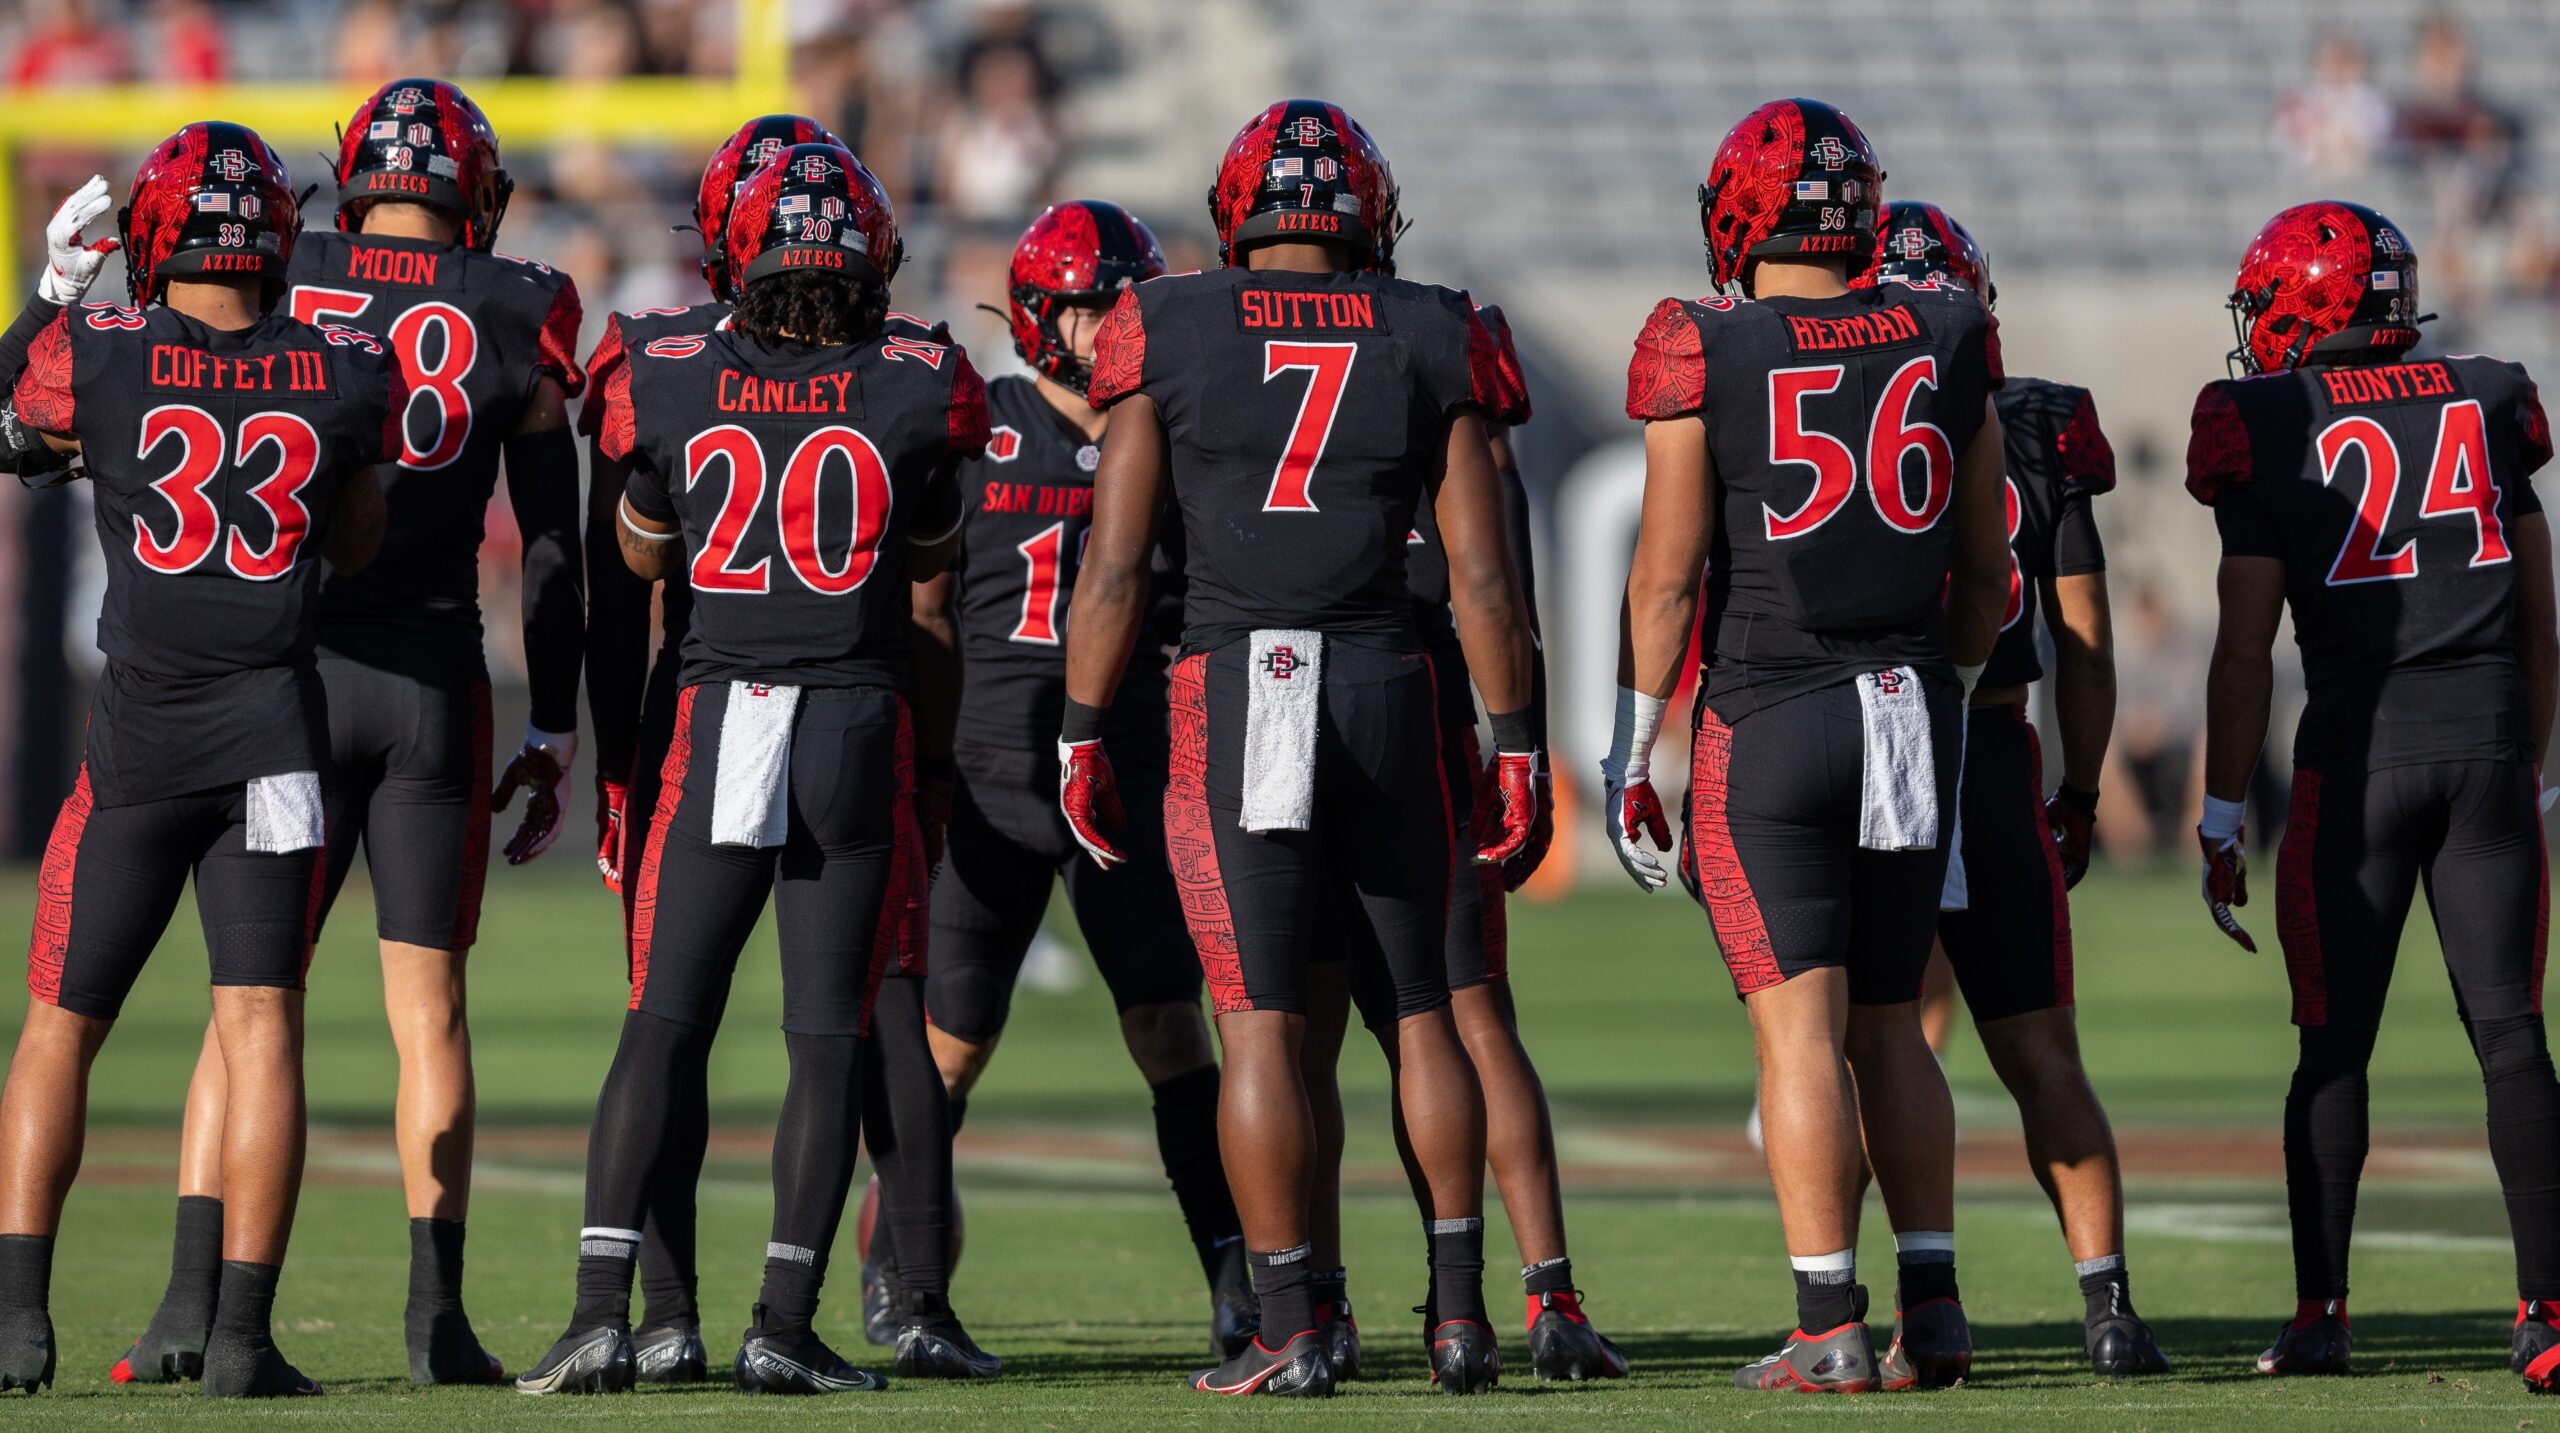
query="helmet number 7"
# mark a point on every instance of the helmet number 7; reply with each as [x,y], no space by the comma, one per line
[1328,367]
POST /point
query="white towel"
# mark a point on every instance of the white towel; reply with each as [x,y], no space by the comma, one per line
[750,788]
[1954,896]
[1285,686]
[1898,796]
[285,813]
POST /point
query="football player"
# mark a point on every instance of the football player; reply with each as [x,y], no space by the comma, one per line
[488,344]
[1828,454]
[1299,404]
[2005,916]
[231,448]
[2389,503]
[634,703]
[72,262]
[1003,606]
[791,766]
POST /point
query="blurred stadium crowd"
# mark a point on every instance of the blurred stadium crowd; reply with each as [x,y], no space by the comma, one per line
[2093,146]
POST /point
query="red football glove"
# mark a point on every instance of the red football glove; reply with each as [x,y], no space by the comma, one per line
[933,809]
[1542,833]
[2071,814]
[541,769]
[613,799]
[1633,811]
[1515,786]
[1090,797]
[2226,884]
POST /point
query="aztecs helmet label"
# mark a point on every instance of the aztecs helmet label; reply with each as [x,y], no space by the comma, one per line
[756,144]
[1305,169]
[1796,176]
[1083,251]
[2326,279]
[423,141]
[211,199]
[812,207]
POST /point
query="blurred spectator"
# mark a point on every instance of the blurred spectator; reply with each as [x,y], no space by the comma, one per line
[192,50]
[2470,153]
[67,44]
[1000,145]
[2153,773]
[590,40]
[2333,125]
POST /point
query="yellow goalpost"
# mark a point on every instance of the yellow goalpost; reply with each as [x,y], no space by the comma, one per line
[526,112]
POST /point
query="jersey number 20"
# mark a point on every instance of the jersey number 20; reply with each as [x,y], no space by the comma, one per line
[715,567]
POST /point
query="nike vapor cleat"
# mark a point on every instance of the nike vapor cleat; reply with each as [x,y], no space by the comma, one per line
[1235,1315]
[1341,1335]
[670,1353]
[1841,1360]
[2316,1342]
[1464,1357]
[879,1286]
[932,1344]
[1563,1346]
[2537,1345]
[1300,1368]
[2120,1343]
[442,1349]
[599,1360]
[1932,1347]
[244,1368]
[26,1350]
[153,1362]
[796,1364]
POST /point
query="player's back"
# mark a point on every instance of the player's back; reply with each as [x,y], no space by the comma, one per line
[1834,425]
[796,472]
[1305,416]
[476,332]
[2058,459]
[2389,491]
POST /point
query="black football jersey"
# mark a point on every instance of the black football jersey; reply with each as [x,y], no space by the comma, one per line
[2058,460]
[475,333]
[798,476]
[1304,414]
[1426,561]
[1834,425]
[215,460]
[2388,491]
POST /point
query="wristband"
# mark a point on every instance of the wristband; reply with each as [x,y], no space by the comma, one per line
[1081,724]
[1513,733]
[1631,741]
[2221,818]
[2084,802]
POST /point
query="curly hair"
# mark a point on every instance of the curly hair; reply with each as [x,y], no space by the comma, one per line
[807,307]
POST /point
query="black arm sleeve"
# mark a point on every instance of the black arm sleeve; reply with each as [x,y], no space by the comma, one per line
[21,451]
[21,335]
[2247,529]
[1516,521]
[2077,550]
[542,484]
[617,645]
[939,508]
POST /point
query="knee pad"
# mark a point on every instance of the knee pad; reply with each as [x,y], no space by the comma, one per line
[2329,1051]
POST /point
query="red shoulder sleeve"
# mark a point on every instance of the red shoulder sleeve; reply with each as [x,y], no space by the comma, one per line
[618,433]
[1506,362]
[2533,430]
[1991,349]
[44,386]
[558,351]
[2217,445]
[969,431]
[2088,461]
[1119,353]
[395,418]
[600,367]
[1667,378]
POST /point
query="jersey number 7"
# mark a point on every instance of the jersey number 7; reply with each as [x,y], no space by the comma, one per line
[1328,367]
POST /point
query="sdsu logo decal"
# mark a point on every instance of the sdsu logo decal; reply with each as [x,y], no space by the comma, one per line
[1310,131]
[816,167]
[1004,445]
[405,100]
[1912,243]
[1832,153]
[1088,458]
[1281,663]
[231,164]
[761,153]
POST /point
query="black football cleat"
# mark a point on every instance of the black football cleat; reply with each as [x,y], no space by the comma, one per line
[444,1350]
[2317,1342]
[932,1344]
[879,1286]
[1932,1347]
[26,1350]
[670,1353]
[149,1362]
[796,1364]
[2120,1343]
[1341,1335]
[1564,1347]
[1464,1357]
[2536,1352]
[1299,1368]
[1841,1360]
[1235,1315]
[236,1367]
[597,1360]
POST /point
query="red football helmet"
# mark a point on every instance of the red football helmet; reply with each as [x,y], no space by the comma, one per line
[1083,251]
[1304,169]
[732,164]
[2326,279]
[211,199]
[812,208]
[424,141]
[1922,243]
[1795,177]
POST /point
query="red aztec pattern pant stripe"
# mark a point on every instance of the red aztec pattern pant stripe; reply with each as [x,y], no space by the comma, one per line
[475,847]
[644,906]
[1493,921]
[1191,843]
[52,939]
[1731,908]
[2062,992]
[2298,903]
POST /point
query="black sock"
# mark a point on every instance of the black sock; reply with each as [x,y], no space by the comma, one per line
[2327,1132]
[248,1303]
[1286,1286]
[667,1280]
[1331,1289]
[604,1278]
[1548,1276]
[644,1154]
[1186,1108]
[435,1265]
[1919,1282]
[2105,1290]
[195,1265]
[1826,1298]
[814,1145]
[2524,1144]
[26,1271]
[789,1298]
[1457,1270]
[906,1122]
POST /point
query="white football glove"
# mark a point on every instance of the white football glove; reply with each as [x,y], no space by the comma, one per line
[72,263]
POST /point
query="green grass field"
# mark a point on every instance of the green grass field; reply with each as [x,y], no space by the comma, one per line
[1077,1271]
